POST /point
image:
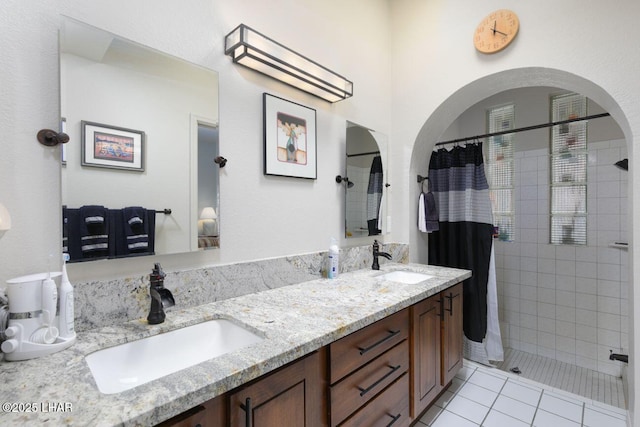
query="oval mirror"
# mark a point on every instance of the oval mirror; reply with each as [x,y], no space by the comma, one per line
[365,187]
[144,136]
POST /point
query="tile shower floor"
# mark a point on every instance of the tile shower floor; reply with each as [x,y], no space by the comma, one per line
[484,396]
[564,376]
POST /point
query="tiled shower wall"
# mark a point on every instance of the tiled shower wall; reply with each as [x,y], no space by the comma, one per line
[563,301]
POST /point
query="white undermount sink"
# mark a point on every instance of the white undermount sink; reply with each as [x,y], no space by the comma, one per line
[129,365]
[403,276]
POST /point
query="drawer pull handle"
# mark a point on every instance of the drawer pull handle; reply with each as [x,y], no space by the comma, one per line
[248,412]
[374,345]
[393,421]
[364,391]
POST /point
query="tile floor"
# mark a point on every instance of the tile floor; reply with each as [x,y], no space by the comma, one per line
[564,376]
[484,396]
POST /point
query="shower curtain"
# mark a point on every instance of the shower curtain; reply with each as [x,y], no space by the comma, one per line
[465,240]
[374,196]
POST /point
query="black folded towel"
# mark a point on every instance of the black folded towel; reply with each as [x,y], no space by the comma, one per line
[94,230]
[136,228]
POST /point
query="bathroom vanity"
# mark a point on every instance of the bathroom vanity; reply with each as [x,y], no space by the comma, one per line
[367,346]
[365,378]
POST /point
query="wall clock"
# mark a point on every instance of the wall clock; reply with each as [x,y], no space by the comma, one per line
[496,31]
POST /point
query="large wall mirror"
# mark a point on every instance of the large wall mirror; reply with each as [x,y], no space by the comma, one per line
[366,187]
[144,136]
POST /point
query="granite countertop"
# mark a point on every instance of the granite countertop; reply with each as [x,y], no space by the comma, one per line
[294,320]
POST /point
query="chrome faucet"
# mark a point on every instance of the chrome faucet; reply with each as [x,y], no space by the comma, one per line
[160,296]
[376,254]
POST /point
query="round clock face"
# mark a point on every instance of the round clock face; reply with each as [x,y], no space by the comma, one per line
[496,31]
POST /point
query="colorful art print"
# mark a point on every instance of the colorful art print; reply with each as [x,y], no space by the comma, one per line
[289,138]
[292,139]
[112,147]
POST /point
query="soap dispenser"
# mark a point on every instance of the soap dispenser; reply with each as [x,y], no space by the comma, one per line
[334,259]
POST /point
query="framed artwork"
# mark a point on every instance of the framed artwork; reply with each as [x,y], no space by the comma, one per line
[112,147]
[289,138]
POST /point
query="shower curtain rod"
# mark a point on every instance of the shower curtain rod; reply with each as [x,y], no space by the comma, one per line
[363,154]
[540,126]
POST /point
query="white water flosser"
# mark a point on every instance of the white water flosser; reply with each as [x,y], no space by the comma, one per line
[66,324]
[48,333]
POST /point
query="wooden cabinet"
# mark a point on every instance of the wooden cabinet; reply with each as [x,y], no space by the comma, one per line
[436,346]
[291,396]
[368,374]
[451,332]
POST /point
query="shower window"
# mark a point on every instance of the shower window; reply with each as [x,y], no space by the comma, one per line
[568,157]
[499,167]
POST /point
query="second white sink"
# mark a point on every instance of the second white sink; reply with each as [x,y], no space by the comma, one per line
[403,276]
[129,365]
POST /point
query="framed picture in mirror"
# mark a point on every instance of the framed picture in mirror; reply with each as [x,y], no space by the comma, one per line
[112,147]
[289,138]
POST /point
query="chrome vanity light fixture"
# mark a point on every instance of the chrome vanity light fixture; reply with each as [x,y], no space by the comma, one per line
[256,51]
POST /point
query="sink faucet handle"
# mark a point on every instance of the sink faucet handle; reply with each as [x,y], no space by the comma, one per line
[157,275]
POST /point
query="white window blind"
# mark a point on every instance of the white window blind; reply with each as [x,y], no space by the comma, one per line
[499,167]
[568,156]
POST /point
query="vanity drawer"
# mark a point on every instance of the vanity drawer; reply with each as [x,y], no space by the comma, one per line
[364,384]
[353,351]
[390,408]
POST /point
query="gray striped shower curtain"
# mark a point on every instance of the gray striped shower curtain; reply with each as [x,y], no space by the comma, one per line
[464,240]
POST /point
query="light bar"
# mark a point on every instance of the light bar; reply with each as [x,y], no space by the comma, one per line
[256,51]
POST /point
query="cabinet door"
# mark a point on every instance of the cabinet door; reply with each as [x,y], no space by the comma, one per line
[195,417]
[291,396]
[425,354]
[210,414]
[451,332]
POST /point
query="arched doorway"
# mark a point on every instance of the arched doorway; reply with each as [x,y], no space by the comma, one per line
[483,88]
